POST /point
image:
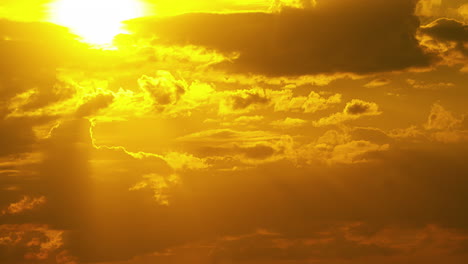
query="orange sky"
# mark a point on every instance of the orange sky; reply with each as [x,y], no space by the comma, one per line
[233,132]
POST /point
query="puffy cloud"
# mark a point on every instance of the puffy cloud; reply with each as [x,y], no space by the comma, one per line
[444,126]
[248,119]
[184,161]
[354,109]
[241,101]
[441,126]
[345,147]
[441,119]
[358,107]
[289,123]
[159,185]
[286,101]
[25,204]
[164,89]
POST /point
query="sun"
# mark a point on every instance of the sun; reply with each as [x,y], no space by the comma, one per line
[96,21]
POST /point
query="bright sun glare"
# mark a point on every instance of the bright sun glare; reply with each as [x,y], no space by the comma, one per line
[96,21]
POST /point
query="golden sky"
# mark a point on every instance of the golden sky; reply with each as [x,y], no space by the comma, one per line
[233,132]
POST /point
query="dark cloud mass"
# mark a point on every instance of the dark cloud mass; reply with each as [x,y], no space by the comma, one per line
[360,36]
[447,29]
[357,108]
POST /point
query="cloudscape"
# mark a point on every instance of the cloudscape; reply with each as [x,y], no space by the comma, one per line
[233,132]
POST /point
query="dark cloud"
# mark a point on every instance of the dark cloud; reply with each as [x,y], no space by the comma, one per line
[447,30]
[30,55]
[357,108]
[23,243]
[269,247]
[336,36]
[87,190]
[33,49]
[94,105]
[244,101]
[245,146]
[406,188]
[353,110]
[370,134]
[16,136]
[164,89]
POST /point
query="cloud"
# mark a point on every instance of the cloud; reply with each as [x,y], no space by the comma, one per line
[289,123]
[345,147]
[105,158]
[233,203]
[444,126]
[17,136]
[448,38]
[353,110]
[184,161]
[159,185]
[463,10]
[31,52]
[378,83]
[314,102]
[441,126]
[174,160]
[248,119]
[25,204]
[29,242]
[95,104]
[164,89]
[447,30]
[323,40]
[272,247]
[417,84]
[242,101]
[441,119]
[354,151]
[247,147]
[221,136]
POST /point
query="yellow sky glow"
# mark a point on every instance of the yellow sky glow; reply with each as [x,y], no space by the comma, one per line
[97,22]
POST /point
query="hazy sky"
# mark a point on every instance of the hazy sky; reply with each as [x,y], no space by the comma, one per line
[234,132]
